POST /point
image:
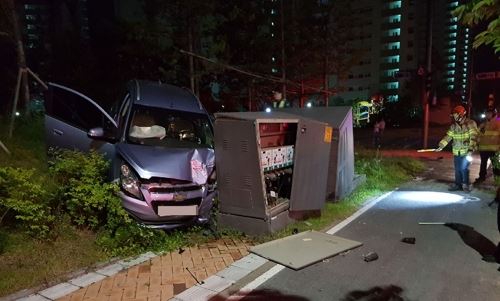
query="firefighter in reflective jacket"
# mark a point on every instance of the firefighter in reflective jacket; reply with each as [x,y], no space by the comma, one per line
[489,141]
[464,134]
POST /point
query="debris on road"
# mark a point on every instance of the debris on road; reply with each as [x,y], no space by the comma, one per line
[371,256]
[408,240]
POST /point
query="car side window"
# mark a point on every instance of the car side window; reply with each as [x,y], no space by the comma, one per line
[75,110]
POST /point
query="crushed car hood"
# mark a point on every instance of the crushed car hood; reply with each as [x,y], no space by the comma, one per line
[188,164]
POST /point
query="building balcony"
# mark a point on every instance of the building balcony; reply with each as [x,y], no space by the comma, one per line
[390,25]
[389,52]
[387,79]
[391,11]
[389,91]
[391,65]
[390,39]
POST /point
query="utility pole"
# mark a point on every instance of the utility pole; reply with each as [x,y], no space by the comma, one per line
[471,81]
[428,77]
[283,61]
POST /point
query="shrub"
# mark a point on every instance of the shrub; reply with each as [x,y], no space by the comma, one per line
[82,187]
[92,202]
[22,194]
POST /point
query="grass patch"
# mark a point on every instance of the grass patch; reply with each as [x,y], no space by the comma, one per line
[27,145]
[27,262]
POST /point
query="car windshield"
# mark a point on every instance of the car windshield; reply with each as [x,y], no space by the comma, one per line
[171,128]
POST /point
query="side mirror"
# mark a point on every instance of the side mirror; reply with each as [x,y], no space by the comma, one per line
[99,134]
[96,133]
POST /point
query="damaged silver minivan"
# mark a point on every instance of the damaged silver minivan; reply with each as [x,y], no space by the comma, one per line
[159,140]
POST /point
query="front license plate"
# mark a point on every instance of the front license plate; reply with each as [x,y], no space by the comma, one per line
[177,210]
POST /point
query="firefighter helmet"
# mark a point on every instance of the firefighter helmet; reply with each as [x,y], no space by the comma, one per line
[459,114]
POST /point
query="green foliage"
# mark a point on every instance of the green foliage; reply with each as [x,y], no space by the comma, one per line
[24,196]
[385,172]
[92,202]
[477,11]
[86,195]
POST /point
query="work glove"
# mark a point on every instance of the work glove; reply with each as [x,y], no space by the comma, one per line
[469,156]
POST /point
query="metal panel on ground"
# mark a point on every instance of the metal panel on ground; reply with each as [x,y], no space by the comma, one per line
[303,249]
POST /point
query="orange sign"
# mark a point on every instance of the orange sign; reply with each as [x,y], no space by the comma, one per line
[328,134]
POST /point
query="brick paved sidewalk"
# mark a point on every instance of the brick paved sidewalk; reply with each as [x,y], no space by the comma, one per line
[162,277]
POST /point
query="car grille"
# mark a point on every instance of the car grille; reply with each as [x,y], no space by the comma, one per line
[172,189]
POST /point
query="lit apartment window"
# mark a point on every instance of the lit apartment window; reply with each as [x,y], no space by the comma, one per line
[451,72]
[392,98]
[451,87]
[450,80]
[273,11]
[452,42]
[395,19]
[391,72]
[451,65]
[394,32]
[395,4]
[274,70]
[395,45]
[272,23]
[463,86]
[464,80]
[392,59]
[30,17]
[454,4]
[451,58]
[453,35]
[453,27]
[453,50]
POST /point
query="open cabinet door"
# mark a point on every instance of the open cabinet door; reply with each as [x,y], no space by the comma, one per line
[310,172]
[69,115]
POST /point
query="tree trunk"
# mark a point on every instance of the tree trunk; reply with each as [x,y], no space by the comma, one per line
[21,57]
[191,59]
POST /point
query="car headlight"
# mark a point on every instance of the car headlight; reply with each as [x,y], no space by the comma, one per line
[129,181]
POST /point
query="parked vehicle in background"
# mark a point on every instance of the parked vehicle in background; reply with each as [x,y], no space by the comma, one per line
[159,140]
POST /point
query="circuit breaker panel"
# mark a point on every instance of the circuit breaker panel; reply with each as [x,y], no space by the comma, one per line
[277,144]
[264,171]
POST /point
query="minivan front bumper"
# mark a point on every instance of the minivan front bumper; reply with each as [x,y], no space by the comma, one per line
[168,207]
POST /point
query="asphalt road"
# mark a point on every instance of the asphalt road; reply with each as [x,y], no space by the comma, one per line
[443,264]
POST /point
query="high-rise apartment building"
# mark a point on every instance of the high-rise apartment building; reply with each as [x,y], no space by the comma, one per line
[41,20]
[393,37]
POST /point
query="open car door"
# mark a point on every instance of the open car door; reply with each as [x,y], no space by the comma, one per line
[69,115]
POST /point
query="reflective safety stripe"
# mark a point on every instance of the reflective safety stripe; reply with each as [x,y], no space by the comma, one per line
[464,138]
